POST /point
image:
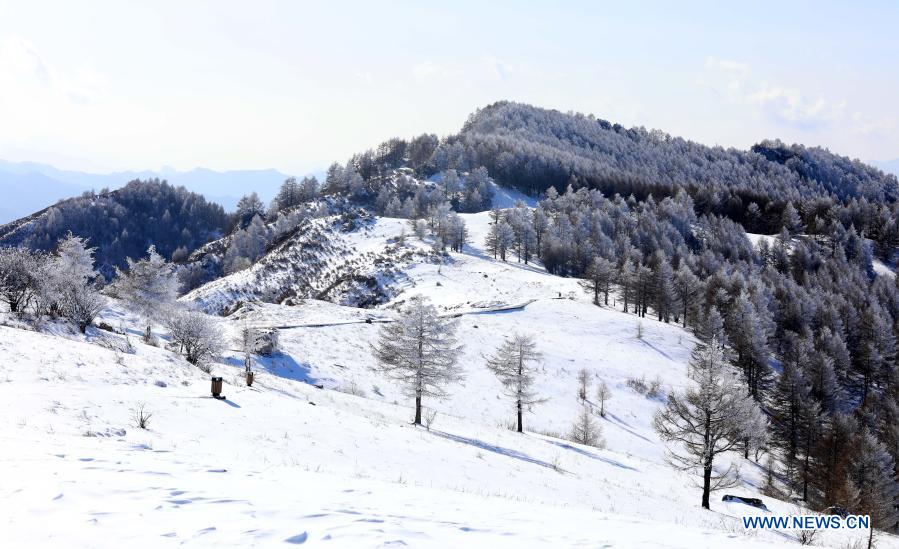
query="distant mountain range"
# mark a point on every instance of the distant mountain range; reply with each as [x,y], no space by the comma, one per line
[29,186]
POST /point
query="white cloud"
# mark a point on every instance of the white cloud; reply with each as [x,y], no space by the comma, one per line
[24,72]
[864,124]
[785,104]
[429,70]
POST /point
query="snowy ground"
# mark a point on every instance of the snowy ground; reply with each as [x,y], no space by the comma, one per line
[284,462]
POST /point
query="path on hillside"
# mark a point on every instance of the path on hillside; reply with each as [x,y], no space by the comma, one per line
[497,309]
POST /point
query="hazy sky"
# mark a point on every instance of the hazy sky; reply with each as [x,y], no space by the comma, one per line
[292,85]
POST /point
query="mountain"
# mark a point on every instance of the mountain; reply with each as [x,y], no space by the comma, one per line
[32,186]
[123,223]
[532,149]
[623,253]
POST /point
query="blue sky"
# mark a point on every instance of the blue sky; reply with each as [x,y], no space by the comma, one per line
[103,86]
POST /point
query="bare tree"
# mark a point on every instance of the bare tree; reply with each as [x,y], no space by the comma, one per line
[515,365]
[603,395]
[709,419]
[419,351]
[583,384]
[246,341]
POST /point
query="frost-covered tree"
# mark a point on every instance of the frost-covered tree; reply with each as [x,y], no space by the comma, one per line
[585,430]
[246,342]
[686,287]
[18,283]
[71,271]
[248,207]
[872,472]
[704,421]
[599,279]
[583,384]
[748,334]
[450,183]
[603,395]
[149,285]
[505,238]
[791,221]
[81,305]
[515,364]
[197,335]
[419,350]
[247,245]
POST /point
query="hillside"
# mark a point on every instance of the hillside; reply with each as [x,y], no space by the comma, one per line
[520,144]
[284,461]
[123,223]
[630,256]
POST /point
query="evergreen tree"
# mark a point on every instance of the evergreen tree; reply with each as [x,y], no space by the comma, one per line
[599,279]
[419,351]
[515,364]
[709,419]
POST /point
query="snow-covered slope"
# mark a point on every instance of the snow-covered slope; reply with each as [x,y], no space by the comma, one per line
[287,462]
[345,261]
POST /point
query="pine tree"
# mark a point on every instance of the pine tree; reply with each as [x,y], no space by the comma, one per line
[626,276]
[788,402]
[686,287]
[585,430]
[515,365]
[599,278]
[872,471]
[749,340]
[419,351]
[662,286]
[505,238]
[248,207]
[791,221]
[709,419]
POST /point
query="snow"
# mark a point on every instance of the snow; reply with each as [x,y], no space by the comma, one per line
[506,197]
[284,462]
[882,269]
[756,238]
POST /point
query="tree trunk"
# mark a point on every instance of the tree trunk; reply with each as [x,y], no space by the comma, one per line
[417,409]
[706,484]
[520,424]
